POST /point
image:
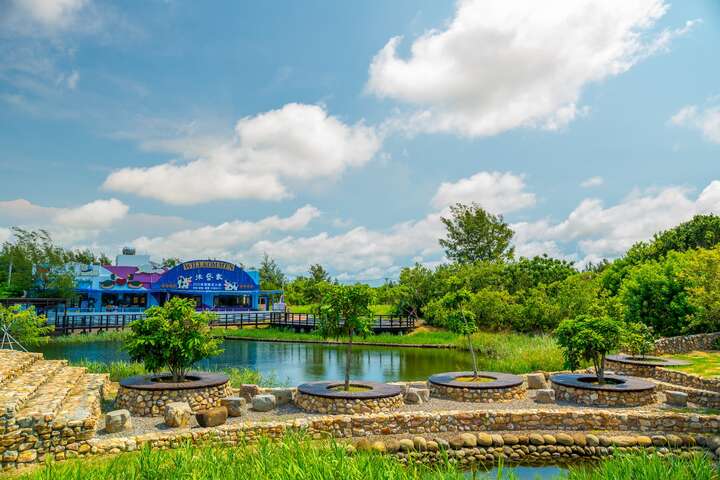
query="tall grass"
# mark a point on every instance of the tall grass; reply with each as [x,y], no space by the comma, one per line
[649,467]
[120,369]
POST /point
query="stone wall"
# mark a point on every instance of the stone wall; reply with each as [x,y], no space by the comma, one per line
[687,379]
[686,343]
[151,403]
[399,423]
[604,398]
[478,395]
[334,405]
[701,398]
[632,369]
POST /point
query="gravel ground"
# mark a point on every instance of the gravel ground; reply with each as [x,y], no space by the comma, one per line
[143,425]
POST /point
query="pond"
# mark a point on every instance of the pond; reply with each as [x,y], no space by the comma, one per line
[549,472]
[295,363]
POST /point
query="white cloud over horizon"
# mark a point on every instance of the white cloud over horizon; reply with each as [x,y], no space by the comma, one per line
[269,154]
[706,120]
[497,192]
[497,66]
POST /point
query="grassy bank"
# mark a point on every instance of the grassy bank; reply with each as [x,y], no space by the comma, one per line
[380,309]
[706,364]
[118,370]
[297,458]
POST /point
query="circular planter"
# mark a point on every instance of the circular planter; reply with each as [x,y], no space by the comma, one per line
[639,366]
[501,387]
[147,395]
[618,391]
[322,397]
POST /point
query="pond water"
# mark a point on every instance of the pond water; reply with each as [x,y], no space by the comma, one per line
[295,363]
[549,472]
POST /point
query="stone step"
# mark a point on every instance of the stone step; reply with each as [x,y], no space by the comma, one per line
[49,398]
[13,363]
[15,393]
[84,401]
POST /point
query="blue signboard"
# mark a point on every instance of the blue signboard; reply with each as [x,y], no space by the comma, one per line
[206,276]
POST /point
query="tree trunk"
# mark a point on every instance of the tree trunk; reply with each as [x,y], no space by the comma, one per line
[601,370]
[474,358]
[348,353]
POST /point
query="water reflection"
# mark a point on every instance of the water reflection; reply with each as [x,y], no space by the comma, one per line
[298,362]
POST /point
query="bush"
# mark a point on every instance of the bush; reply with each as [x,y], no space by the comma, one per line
[25,325]
[637,339]
[173,336]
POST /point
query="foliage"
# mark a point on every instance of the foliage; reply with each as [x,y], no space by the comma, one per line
[644,466]
[637,339]
[414,290]
[527,273]
[24,324]
[87,257]
[474,234]
[271,276]
[344,310]
[307,290]
[589,338]
[702,272]
[173,336]
[170,262]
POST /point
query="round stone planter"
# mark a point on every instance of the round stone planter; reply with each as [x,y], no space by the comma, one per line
[501,387]
[322,397]
[639,366]
[147,395]
[618,391]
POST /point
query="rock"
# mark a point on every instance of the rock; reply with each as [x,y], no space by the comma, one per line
[536,381]
[497,440]
[549,439]
[283,396]
[457,442]
[592,440]
[263,402]
[674,441]
[424,393]
[580,439]
[212,417]
[432,446]
[469,440]
[546,395]
[235,405]
[510,439]
[363,445]
[406,445]
[412,396]
[420,444]
[659,440]
[676,399]
[27,456]
[378,446]
[177,414]
[484,440]
[624,441]
[564,439]
[117,421]
[644,441]
[536,439]
[392,445]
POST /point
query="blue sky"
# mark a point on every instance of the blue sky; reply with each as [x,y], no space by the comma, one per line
[339,132]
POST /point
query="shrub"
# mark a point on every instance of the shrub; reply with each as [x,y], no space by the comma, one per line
[24,325]
[589,338]
[173,336]
[637,339]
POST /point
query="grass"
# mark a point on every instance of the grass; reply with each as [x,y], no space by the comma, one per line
[295,457]
[380,309]
[109,336]
[705,364]
[120,369]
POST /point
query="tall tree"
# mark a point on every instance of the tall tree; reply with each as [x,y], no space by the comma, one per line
[318,273]
[271,276]
[473,234]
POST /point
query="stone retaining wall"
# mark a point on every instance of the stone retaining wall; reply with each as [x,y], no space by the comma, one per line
[633,369]
[151,403]
[701,398]
[478,395]
[334,405]
[399,423]
[604,398]
[687,379]
[686,343]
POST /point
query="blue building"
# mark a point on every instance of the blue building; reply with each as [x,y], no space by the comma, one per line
[136,283]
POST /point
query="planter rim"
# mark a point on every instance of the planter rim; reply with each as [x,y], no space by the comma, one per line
[500,380]
[200,380]
[628,384]
[648,362]
[377,390]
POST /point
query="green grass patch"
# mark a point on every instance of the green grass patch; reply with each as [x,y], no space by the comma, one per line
[379,309]
[120,369]
[706,364]
[649,467]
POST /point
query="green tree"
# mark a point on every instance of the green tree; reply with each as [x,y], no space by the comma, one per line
[170,262]
[344,310]
[271,276]
[173,336]
[702,272]
[318,274]
[24,324]
[637,339]
[493,309]
[589,338]
[474,234]
[527,273]
[414,290]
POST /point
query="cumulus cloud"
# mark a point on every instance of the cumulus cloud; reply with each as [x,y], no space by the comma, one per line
[93,215]
[607,232]
[592,182]
[706,120]
[270,151]
[49,13]
[224,239]
[497,192]
[517,63]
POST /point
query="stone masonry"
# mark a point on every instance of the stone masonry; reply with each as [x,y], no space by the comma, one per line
[151,403]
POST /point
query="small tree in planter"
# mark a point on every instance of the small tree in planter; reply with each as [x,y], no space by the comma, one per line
[638,340]
[589,338]
[173,336]
[344,310]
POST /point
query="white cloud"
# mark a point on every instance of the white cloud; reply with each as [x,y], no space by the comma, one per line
[50,13]
[223,240]
[497,192]
[607,232]
[516,63]
[72,79]
[93,215]
[706,120]
[269,153]
[592,182]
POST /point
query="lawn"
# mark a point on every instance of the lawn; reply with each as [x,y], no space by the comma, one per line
[706,364]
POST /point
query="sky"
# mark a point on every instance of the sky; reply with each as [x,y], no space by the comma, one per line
[340,133]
